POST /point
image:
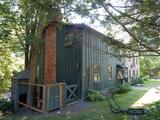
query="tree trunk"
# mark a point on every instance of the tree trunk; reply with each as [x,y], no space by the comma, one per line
[26,57]
[34,54]
[35,48]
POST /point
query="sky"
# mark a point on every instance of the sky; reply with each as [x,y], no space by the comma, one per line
[95,25]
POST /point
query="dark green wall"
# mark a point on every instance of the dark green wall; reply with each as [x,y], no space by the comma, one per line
[75,63]
[94,51]
[69,59]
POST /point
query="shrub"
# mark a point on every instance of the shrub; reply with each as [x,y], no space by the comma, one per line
[123,88]
[139,81]
[5,106]
[145,78]
[93,95]
[153,112]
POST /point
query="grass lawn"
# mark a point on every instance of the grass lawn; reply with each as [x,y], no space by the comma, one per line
[98,110]
[152,83]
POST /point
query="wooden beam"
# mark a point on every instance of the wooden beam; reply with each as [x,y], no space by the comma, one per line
[31,84]
[48,98]
[46,95]
[55,84]
[61,95]
[44,99]
[33,108]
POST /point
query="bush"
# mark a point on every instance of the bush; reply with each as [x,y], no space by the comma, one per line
[5,106]
[145,78]
[153,112]
[139,81]
[123,88]
[93,95]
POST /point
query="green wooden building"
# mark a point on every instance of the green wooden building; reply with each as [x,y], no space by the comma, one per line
[83,59]
[73,58]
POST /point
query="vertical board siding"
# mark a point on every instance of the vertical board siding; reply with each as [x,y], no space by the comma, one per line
[69,58]
[84,64]
[93,53]
[87,50]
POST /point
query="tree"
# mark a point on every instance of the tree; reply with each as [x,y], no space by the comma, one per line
[138,18]
[9,45]
[32,18]
[149,66]
[23,24]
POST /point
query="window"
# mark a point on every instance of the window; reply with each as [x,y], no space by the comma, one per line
[133,73]
[68,40]
[130,74]
[97,72]
[110,73]
[137,61]
[129,59]
[131,66]
[134,60]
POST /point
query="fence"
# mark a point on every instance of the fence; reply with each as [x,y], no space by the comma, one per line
[41,98]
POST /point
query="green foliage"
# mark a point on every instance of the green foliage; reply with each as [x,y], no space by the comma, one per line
[145,21]
[5,106]
[93,95]
[147,64]
[5,73]
[145,78]
[138,18]
[154,110]
[9,45]
[8,64]
[140,80]
[20,22]
[123,88]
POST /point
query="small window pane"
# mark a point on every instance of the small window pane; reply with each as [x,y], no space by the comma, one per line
[109,73]
[97,72]
[68,39]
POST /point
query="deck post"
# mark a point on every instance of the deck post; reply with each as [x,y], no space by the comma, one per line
[15,95]
[62,95]
[44,99]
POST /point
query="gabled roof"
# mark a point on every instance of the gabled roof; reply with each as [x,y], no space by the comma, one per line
[84,26]
[23,75]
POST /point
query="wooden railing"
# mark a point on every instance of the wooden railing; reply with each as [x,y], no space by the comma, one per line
[43,98]
[71,93]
